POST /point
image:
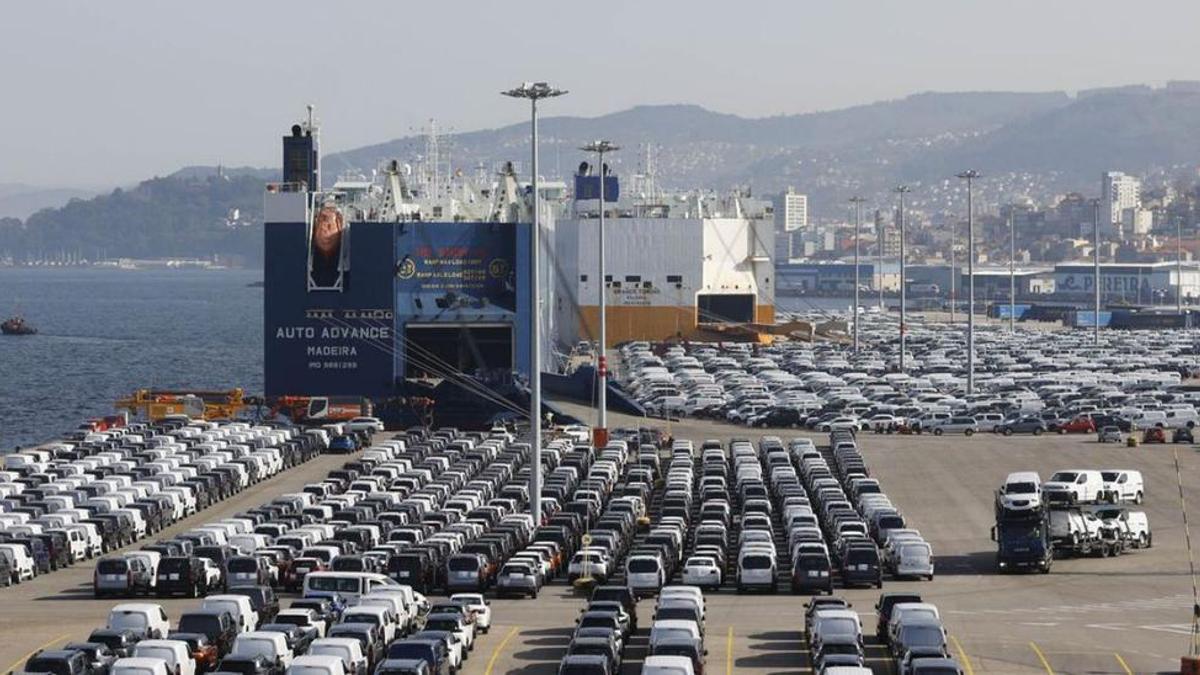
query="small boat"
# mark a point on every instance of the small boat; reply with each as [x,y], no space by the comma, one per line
[17,326]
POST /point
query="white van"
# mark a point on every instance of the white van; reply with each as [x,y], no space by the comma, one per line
[268,644]
[238,606]
[1074,485]
[349,585]
[1150,418]
[1122,485]
[668,665]
[395,603]
[1022,491]
[644,574]
[144,618]
[151,559]
[674,628]
[349,650]
[175,653]
[315,665]
[139,666]
[77,542]
[378,615]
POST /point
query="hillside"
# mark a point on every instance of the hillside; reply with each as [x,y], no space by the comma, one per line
[158,218]
[1046,143]
[698,147]
[1132,131]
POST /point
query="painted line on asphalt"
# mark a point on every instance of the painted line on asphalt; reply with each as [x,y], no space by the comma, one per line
[962,656]
[1041,657]
[500,650]
[729,651]
[14,667]
[1128,670]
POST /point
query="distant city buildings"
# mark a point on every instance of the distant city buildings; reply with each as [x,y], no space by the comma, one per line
[1119,192]
[888,238]
[791,218]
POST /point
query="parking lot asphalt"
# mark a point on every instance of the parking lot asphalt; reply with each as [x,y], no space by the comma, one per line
[1122,615]
[1129,614]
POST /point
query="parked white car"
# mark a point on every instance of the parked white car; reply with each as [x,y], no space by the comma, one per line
[1022,491]
[19,561]
[702,571]
[238,606]
[315,665]
[479,606]
[271,645]
[175,653]
[1134,526]
[349,650]
[644,574]
[1122,485]
[1077,485]
[372,424]
[143,666]
[144,618]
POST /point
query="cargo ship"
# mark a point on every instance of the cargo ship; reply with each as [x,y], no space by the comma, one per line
[403,288]
[411,284]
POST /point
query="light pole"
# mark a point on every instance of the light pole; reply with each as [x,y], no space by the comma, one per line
[601,147]
[953,270]
[1179,266]
[1012,274]
[535,91]
[879,237]
[857,202]
[1096,268]
[902,190]
[970,175]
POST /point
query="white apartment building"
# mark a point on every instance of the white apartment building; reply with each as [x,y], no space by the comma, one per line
[791,216]
[1119,191]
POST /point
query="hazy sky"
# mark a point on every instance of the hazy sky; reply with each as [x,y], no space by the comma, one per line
[98,93]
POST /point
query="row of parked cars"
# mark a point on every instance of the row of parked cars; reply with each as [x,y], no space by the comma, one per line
[1024,384]
[869,533]
[71,501]
[835,520]
[909,628]
[389,629]
[652,547]
[606,625]
[443,487]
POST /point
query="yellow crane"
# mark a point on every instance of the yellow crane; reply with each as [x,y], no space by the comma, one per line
[155,404]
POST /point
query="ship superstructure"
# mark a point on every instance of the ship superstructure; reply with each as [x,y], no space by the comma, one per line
[679,265]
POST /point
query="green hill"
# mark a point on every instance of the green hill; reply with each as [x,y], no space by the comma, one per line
[161,217]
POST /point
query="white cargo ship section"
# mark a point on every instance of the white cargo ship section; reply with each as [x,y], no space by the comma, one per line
[665,277]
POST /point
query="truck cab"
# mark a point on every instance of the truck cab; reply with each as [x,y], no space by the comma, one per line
[1022,538]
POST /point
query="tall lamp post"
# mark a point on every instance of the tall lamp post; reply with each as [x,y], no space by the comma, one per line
[1012,274]
[953,271]
[879,237]
[970,175]
[1096,268]
[534,92]
[902,190]
[601,147]
[1178,266]
[857,202]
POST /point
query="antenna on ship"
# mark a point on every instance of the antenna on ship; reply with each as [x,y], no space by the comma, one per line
[315,132]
